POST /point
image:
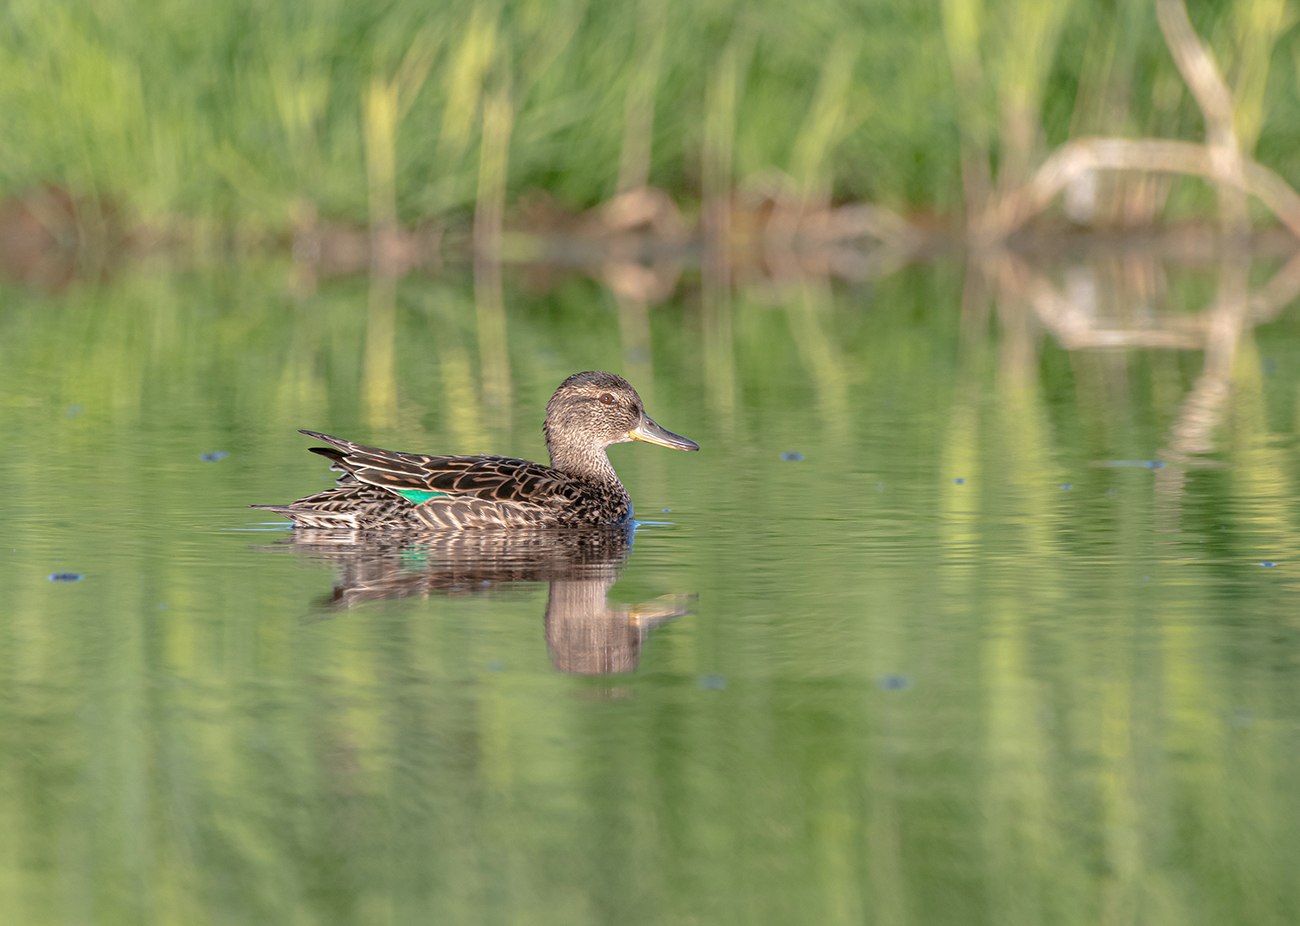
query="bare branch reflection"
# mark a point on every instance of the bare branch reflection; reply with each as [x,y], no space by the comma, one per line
[1113,306]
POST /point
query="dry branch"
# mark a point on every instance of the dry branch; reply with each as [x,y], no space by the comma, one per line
[1219,159]
[1081,156]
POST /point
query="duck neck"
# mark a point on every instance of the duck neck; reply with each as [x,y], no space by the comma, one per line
[585,461]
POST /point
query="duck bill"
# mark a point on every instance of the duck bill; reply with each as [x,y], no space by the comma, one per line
[652,433]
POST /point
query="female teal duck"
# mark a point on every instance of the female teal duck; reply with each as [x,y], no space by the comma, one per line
[386,489]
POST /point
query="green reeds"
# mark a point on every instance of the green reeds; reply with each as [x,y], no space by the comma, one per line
[227,113]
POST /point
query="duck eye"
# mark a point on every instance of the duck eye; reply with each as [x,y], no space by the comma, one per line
[607,398]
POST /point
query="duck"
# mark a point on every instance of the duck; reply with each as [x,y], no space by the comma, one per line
[385,489]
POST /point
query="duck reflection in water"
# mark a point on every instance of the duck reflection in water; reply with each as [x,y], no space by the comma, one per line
[585,633]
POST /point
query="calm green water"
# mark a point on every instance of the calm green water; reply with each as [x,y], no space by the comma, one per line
[946,624]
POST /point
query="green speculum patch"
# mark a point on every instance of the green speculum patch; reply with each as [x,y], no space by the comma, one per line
[418,496]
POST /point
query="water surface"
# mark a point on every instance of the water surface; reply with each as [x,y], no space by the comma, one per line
[967,612]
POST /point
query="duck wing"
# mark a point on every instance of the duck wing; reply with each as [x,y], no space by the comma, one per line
[419,477]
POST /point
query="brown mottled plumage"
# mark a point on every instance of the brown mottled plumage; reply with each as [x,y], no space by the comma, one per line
[387,489]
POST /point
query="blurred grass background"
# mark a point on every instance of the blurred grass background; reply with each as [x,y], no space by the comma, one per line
[254,114]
